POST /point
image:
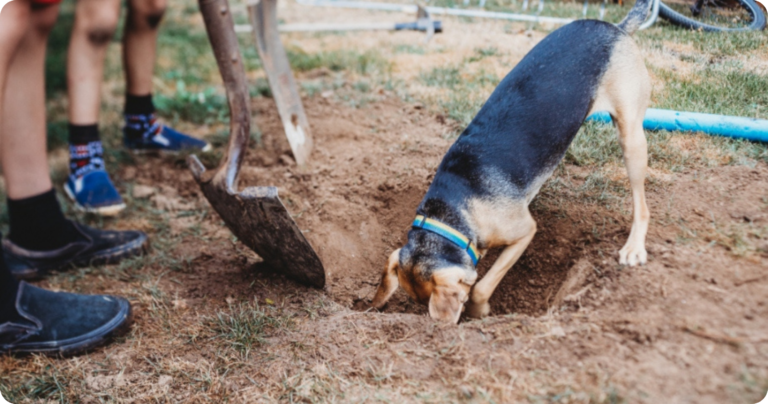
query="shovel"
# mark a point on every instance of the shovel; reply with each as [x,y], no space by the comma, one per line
[255,215]
[263,16]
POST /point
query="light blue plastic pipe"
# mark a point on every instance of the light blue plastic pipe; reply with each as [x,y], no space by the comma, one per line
[722,125]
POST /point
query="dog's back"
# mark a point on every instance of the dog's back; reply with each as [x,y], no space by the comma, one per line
[525,127]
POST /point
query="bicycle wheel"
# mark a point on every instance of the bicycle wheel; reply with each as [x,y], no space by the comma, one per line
[707,15]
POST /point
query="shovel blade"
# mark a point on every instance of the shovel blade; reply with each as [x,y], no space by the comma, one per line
[263,15]
[260,221]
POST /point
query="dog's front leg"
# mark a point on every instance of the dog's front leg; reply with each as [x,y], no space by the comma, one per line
[478,306]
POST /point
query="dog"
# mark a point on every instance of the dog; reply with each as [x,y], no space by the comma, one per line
[480,194]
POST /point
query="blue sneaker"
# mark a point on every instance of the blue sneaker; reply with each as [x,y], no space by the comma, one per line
[143,134]
[94,192]
[89,186]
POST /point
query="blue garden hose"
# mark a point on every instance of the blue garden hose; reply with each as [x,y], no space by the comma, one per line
[711,124]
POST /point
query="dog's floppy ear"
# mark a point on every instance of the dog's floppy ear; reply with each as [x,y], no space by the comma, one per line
[447,300]
[389,282]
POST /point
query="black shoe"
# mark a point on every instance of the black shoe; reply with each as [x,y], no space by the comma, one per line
[94,247]
[62,323]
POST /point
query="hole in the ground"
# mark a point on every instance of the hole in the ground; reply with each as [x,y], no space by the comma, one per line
[538,278]
[357,197]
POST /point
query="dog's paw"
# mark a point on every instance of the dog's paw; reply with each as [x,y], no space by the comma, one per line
[477,310]
[633,255]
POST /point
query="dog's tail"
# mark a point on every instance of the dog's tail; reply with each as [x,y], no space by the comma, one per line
[637,16]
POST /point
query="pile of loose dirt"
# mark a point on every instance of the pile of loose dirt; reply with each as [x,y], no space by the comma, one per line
[358,194]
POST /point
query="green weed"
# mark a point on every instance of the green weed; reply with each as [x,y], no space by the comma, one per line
[466,92]
[404,48]
[49,386]
[188,51]
[482,53]
[716,90]
[365,63]
[246,326]
[442,77]
[200,107]
[714,45]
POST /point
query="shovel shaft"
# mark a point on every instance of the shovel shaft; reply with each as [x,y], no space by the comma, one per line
[221,33]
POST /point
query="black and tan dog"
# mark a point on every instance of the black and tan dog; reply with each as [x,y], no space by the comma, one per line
[480,195]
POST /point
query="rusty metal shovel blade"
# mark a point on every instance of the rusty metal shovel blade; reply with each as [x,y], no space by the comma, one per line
[255,215]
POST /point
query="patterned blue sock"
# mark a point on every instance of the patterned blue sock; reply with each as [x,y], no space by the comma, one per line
[140,121]
[86,153]
[141,127]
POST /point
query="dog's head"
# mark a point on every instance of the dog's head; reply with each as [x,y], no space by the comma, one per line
[432,271]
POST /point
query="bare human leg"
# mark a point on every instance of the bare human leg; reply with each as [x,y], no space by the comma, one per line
[23,144]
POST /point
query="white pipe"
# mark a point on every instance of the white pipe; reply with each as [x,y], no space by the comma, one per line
[406,8]
[386,26]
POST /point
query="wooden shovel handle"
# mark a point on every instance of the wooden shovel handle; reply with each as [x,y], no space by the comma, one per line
[221,33]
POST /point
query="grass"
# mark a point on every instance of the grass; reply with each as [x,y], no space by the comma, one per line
[568,9]
[735,43]
[246,326]
[50,385]
[198,107]
[464,93]
[717,89]
[364,63]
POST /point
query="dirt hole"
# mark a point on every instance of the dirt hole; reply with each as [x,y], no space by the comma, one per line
[357,197]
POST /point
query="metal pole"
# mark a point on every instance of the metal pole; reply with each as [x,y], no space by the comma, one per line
[404,8]
[243,28]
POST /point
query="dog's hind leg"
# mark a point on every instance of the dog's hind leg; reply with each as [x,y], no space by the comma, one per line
[478,306]
[625,93]
[635,148]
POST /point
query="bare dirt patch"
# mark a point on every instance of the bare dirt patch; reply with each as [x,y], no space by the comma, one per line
[568,321]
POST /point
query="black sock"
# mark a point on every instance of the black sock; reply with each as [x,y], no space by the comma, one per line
[8,288]
[139,104]
[85,151]
[38,224]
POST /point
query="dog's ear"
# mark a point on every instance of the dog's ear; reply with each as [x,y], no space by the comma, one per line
[389,282]
[447,300]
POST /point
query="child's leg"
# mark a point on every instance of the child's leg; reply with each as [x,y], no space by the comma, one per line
[142,132]
[23,145]
[140,44]
[95,25]
[89,184]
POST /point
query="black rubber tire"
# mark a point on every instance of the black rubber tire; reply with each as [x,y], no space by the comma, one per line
[758,19]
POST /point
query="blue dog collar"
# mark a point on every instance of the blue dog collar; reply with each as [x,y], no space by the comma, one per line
[449,233]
